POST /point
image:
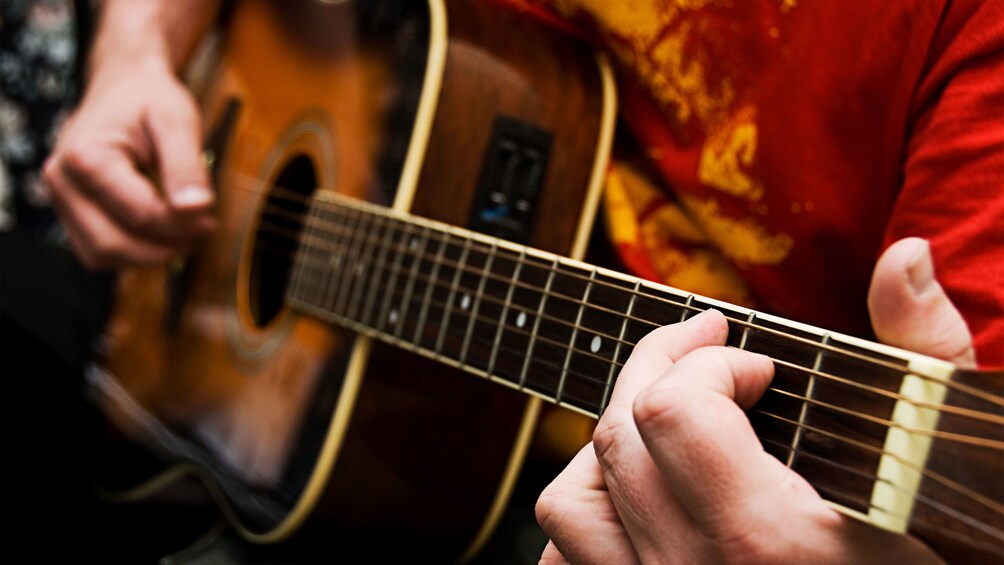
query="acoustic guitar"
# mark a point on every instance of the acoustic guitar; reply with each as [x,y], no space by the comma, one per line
[406,192]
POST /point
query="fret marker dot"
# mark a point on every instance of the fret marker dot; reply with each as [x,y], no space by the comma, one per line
[465,302]
[521,320]
[414,244]
[595,345]
[393,316]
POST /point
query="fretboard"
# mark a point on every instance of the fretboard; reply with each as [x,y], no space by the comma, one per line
[560,329]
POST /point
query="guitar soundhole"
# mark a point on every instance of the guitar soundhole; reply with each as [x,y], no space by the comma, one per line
[276,239]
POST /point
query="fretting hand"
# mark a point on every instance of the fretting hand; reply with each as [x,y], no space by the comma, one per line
[676,474]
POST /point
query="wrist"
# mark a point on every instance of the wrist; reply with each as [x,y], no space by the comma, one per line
[130,36]
[158,33]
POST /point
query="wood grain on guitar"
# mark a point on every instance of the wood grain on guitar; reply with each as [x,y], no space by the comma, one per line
[345,356]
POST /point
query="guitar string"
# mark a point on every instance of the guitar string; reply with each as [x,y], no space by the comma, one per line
[493,322]
[946,408]
[796,424]
[378,211]
[918,496]
[964,412]
[923,471]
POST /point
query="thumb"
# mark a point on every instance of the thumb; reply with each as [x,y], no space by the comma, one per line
[909,309]
[176,132]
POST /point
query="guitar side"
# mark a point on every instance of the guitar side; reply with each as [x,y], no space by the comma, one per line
[299,426]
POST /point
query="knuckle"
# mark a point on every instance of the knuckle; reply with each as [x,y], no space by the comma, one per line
[81,160]
[750,548]
[608,435]
[549,508]
[179,110]
[141,219]
[91,257]
[50,171]
[657,408]
[102,252]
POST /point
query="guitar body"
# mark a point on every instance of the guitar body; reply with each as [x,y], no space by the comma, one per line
[297,425]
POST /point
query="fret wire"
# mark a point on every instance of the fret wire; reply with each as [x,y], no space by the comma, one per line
[299,266]
[309,291]
[686,307]
[575,333]
[317,272]
[392,282]
[350,263]
[378,272]
[336,262]
[323,278]
[746,330]
[796,339]
[420,327]
[505,313]
[409,288]
[362,262]
[810,389]
[477,303]
[608,388]
[536,324]
[452,295]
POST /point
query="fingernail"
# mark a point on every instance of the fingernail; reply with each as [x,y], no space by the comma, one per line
[699,314]
[191,196]
[920,268]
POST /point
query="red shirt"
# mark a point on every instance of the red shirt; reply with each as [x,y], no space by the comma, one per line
[791,142]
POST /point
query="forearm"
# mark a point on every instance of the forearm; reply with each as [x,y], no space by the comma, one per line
[158,32]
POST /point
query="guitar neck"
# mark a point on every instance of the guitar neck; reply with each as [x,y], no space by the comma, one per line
[548,325]
[836,411]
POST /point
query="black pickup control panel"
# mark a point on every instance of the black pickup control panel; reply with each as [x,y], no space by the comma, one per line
[512,173]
